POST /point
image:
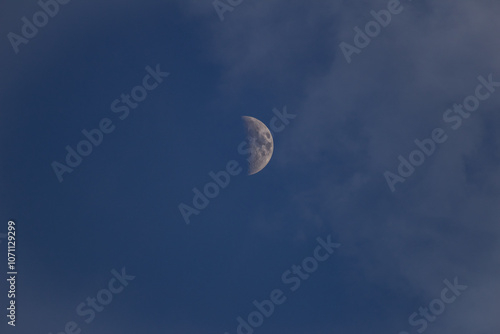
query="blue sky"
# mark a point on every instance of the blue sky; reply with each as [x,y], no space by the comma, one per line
[119,208]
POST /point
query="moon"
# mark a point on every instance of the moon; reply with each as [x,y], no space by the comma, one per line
[260,142]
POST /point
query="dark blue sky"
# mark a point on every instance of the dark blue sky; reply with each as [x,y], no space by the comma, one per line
[353,120]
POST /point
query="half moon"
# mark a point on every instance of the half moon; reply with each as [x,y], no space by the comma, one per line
[260,142]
